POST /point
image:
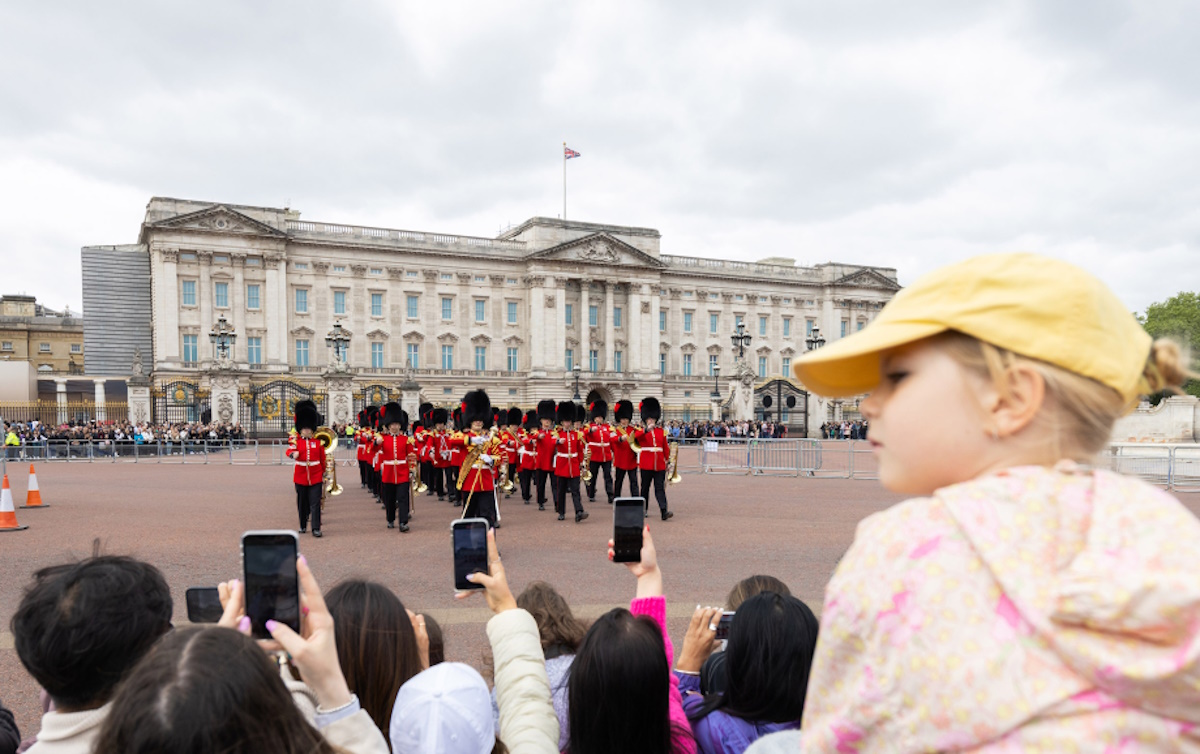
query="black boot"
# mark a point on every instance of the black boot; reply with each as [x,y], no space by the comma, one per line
[667,514]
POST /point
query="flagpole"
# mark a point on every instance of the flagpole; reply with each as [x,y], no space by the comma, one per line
[564,180]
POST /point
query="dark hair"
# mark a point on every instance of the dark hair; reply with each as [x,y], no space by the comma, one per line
[752,585]
[617,692]
[770,653]
[437,642]
[82,626]
[205,690]
[556,623]
[376,645]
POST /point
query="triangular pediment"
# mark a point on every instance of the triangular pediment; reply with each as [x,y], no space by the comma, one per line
[867,279]
[598,249]
[219,219]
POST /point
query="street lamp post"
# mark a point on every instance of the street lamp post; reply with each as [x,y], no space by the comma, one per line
[741,340]
[339,340]
[577,369]
[716,394]
[814,340]
[222,336]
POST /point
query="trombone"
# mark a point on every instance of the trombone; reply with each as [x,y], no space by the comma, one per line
[628,435]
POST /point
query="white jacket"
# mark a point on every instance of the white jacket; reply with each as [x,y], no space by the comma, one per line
[527,720]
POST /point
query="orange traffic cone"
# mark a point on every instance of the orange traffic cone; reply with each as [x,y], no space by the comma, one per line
[33,498]
[8,516]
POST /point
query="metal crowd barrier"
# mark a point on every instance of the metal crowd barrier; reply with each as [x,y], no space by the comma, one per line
[1172,467]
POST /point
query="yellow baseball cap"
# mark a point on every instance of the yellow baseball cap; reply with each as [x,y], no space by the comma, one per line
[1032,305]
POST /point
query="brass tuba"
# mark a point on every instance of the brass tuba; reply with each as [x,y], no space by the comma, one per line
[673,465]
[585,468]
[328,439]
[629,434]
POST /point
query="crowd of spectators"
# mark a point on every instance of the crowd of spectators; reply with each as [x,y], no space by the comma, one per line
[698,430]
[37,439]
[366,674]
[846,430]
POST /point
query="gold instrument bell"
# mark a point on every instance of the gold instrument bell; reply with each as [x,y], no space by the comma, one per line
[328,439]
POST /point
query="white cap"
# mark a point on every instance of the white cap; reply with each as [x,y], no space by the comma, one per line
[446,708]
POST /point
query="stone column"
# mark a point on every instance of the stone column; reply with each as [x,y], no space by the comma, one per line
[410,398]
[339,396]
[101,412]
[830,330]
[537,324]
[715,404]
[61,390]
[650,347]
[560,324]
[223,383]
[277,305]
[633,356]
[815,415]
[607,362]
[138,389]
[585,325]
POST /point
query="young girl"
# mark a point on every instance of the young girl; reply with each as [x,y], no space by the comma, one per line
[1021,602]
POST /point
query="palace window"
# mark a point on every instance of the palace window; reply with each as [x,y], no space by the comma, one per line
[339,268]
[410,273]
[376,270]
[762,325]
[569,314]
[221,295]
[787,366]
[189,292]
[787,327]
[339,302]
[447,357]
[712,364]
[376,304]
[252,297]
[662,363]
[447,308]
[762,366]
[254,349]
[569,359]
[480,358]
[593,315]
[662,320]
[512,312]
[76,348]
[480,310]
[6,346]
[687,321]
[687,365]
[44,347]
[191,349]
[301,301]
[302,353]
[845,327]
[413,355]
[300,265]
[593,360]
[411,303]
[618,361]
[617,316]
[808,327]
[377,356]
[714,323]
[512,359]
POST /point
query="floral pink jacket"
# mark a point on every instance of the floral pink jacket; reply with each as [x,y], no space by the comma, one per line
[1035,609]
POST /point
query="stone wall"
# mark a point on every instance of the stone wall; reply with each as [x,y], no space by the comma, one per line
[1176,419]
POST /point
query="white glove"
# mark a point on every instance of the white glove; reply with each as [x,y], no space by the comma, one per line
[477,440]
[445,454]
[487,459]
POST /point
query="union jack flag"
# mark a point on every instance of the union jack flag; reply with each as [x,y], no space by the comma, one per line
[568,153]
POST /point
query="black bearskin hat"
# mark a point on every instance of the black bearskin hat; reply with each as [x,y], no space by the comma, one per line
[499,416]
[598,410]
[650,409]
[424,408]
[581,413]
[565,412]
[515,416]
[374,417]
[417,426]
[546,409]
[531,420]
[393,414]
[476,407]
[623,410]
[439,416]
[307,416]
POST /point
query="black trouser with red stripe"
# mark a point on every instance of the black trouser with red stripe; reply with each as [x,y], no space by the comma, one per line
[395,501]
[308,503]
[606,467]
[363,468]
[659,480]
[567,484]
[620,482]
[526,478]
[481,504]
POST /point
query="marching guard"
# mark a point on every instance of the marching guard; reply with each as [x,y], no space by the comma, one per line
[394,450]
[543,443]
[457,453]
[308,455]
[625,457]
[362,440]
[599,437]
[527,456]
[652,460]
[440,451]
[479,448]
[568,457]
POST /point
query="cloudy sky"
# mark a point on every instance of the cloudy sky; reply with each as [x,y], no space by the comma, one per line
[875,132]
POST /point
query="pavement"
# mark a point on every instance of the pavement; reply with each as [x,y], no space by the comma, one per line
[187,520]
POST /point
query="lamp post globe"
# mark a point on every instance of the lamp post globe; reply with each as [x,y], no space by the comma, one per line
[339,340]
[222,337]
[814,340]
[577,369]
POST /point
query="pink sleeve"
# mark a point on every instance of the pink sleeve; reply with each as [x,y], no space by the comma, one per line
[681,730]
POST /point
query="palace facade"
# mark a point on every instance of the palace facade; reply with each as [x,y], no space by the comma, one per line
[515,314]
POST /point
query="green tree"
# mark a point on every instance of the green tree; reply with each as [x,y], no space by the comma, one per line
[1179,318]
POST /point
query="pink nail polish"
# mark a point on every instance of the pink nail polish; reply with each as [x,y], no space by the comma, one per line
[271,625]
[303,610]
[244,623]
[303,560]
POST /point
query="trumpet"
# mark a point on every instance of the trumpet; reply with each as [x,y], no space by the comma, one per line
[414,477]
[673,476]
[586,468]
[328,439]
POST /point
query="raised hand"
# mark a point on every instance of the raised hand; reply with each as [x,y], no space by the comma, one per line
[495,583]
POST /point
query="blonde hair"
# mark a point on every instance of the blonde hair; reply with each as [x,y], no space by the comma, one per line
[1078,417]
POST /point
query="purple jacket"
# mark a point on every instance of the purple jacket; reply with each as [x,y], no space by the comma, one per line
[719,732]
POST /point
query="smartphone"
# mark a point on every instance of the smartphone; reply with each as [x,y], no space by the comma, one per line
[723,626]
[628,521]
[204,604]
[271,583]
[470,550]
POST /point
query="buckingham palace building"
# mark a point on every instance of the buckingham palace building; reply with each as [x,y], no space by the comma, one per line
[546,309]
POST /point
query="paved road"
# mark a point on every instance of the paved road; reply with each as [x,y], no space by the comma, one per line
[187,520]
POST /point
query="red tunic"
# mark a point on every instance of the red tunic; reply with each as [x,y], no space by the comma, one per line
[527,453]
[441,450]
[599,438]
[363,438]
[568,454]
[480,477]
[457,451]
[510,447]
[393,452]
[544,444]
[623,455]
[309,456]
[654,448]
